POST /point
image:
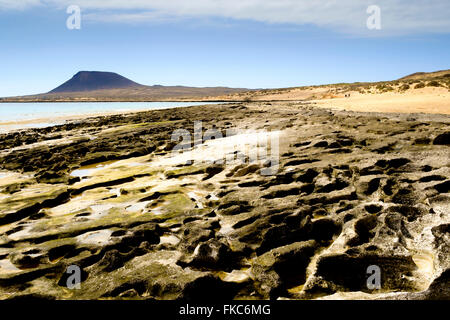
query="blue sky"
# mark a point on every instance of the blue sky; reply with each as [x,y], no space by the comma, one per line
[246,43]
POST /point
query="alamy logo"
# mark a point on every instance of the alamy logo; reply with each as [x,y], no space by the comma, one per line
[374,280]
[237,146]
[74,279]
[374,20]
[74,20]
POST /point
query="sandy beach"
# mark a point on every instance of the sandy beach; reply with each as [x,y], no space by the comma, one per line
[426,100]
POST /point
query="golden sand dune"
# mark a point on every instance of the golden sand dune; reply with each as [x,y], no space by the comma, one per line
[426,100]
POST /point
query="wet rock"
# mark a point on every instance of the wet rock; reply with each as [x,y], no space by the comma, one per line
[338,184]
[282,267]
[321,144]
[308,176]
[247,170]
[350,272]
[393,163]
[441,234]
[212,254]
[406,196]
[112,260]
[317,287]
[442,139]
[281,193]
[430,178]
[411,213]
[232,204]
[372,186]
[369,192]
[297,230]
[443,187]
[195,233]
[131,293]
[24,260]
[147,232]
[156,275]
[422,141]
[21,206]
[324,229]
[363,229]
[440,287]
[373,208]
[393,221]
[211,171]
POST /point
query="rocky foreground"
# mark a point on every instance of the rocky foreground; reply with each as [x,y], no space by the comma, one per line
[105,194]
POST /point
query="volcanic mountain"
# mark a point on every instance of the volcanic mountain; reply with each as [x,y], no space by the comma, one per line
[95,80]
[110,86]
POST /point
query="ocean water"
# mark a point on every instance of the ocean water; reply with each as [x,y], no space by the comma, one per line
[42,114]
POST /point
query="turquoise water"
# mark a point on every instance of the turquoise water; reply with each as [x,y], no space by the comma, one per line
[28,111]
[44,114]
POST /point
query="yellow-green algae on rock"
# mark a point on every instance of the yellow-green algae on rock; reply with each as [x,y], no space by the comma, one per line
[108,195]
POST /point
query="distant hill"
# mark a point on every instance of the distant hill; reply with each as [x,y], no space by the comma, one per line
[95,80]
[427,75]
[110,86]
[417,83]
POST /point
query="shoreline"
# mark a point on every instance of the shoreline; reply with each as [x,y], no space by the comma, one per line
[415,101]
[419,103]
[106,101]
[61,119]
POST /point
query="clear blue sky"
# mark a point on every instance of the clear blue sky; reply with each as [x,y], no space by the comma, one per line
[215,44]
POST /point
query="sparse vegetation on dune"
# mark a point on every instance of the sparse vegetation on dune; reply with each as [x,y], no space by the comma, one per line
[405,87]
[419,85]
[338,90]
[434,83]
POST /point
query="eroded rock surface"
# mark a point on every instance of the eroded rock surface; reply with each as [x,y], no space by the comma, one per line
[107,194]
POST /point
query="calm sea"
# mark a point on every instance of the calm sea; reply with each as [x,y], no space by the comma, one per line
[42,114]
